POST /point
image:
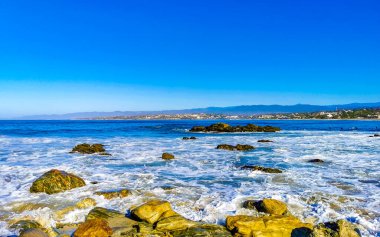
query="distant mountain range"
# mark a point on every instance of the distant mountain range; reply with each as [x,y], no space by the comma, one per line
[231,110]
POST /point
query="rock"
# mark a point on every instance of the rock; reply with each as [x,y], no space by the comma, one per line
[92,228]
[315,161]
[189,138]
[55,181]
[238,147]
[340,228]
[203,230]
[223,127]
[376,135]
[116,220]
[83,204]
[263,140]
[152,211]
[262,169]
[103,213]
[173,223]
[272,206]
[266,226]
[114,194]
[167,156]
[89,149]
[24,225]
[33,233]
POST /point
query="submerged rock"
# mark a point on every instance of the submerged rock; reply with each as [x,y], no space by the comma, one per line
[189,138]
[33,233]
[92,228]
[55,181]
[269,206]
[114,194]
[340,228]
[238,147]
[152,211]
[83,204]
[223,127]
[315,161]
[261,168]
[23,225]
[85,148]
[266,226]
[263,140]
[167,156]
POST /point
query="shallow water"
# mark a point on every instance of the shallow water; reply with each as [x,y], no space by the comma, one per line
[202,183]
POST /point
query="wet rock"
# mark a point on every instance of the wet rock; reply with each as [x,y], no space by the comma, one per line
[167,156]
[114,194]
[83,204]
[116,220]
[269,206]
[103,213]
[266,226]
[90,149]
[223,127]
[376,135]
[152,211]
[55,181]
[315,161]
[173,223]
[24,225]
[238,147]
[189,138]
[263,140]
[203,230]
[33,233]
[340,228]
[94,227]
[262,169]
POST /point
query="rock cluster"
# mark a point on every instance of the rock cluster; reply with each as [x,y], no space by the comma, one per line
[55,181]
[223,127]
[85,148]
[238,147]
[261,168]
[189,138]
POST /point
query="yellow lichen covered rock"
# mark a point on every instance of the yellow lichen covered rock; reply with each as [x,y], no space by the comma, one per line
[55,181]
[92,228]
[174,223]
[266,226]
[151,211]
[272,206]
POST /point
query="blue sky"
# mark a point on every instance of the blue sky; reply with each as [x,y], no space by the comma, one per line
[71,56]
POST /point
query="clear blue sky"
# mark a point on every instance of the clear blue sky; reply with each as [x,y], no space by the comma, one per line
[70,56]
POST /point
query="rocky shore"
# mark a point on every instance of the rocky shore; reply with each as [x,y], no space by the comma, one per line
[223,127]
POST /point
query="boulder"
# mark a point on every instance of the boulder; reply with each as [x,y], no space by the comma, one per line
[92,228]
[152,211]
[116,220]
[238,147]
[223,127]
[262,169]
[266,226]
[85,148]
[376,135]
[174,223]
[167,156]
[55,181]
[263,140]
[315,161]
[189,138]
[340,228]
[114,194]
[33,233]
[203,230]
[269,206]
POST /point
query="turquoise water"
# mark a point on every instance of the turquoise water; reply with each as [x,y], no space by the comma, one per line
[202,183]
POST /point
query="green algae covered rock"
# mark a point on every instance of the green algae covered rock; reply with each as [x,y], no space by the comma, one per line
[203,230]
[261,168]
[85,148]
[33,232]
[23,225]
[238,147]
[55,181]
[340,228]
[269,206]
[223,127]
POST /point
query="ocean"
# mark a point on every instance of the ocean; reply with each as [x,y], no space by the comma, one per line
[202,183]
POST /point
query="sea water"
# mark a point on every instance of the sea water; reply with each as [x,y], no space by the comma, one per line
[202,183]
